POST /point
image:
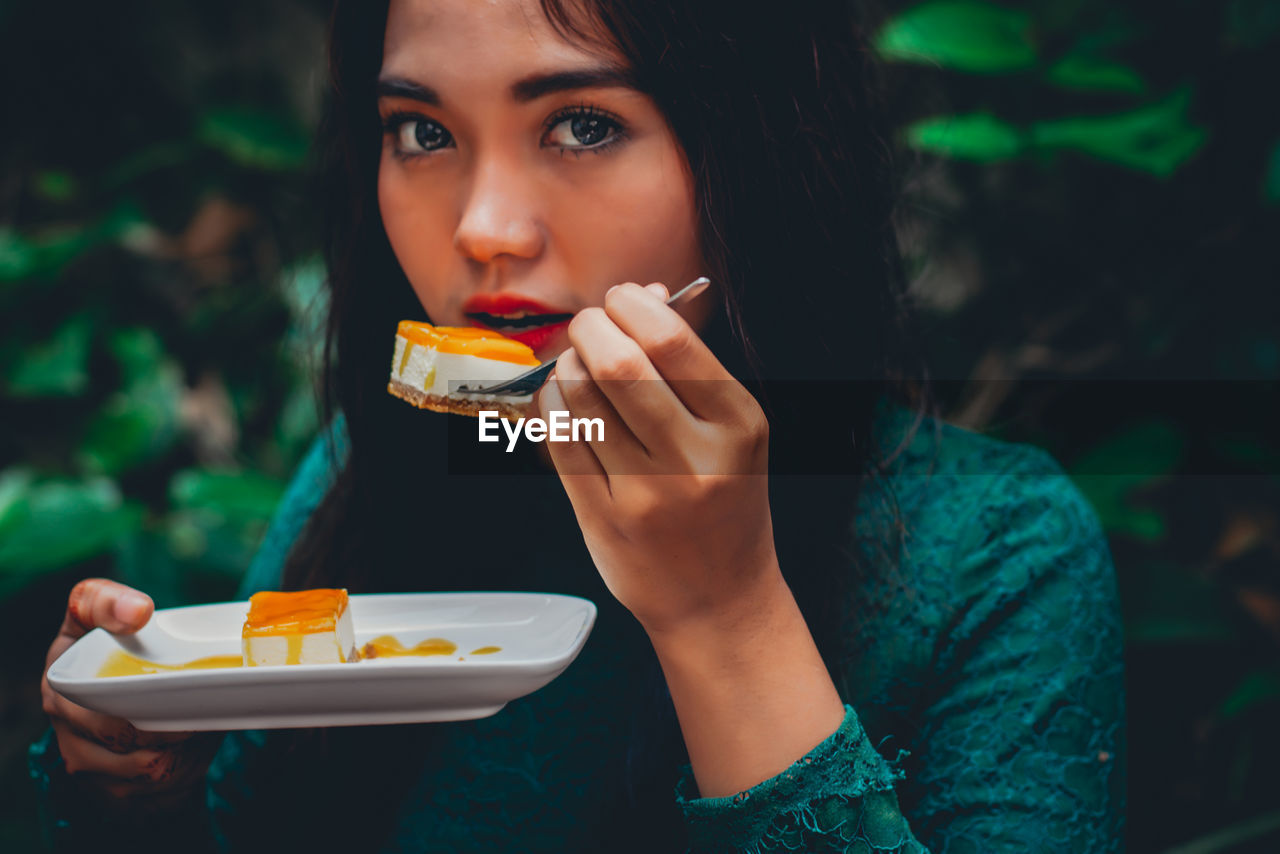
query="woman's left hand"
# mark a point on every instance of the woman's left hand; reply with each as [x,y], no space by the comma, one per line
[674,502]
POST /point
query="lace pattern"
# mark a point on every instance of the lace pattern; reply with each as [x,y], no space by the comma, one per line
[841,789]
[989,667]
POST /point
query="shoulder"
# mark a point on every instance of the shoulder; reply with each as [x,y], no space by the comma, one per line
[1001,549]
[920,446]
[930,462]
[983,507]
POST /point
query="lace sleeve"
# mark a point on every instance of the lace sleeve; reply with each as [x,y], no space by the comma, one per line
[1020,746]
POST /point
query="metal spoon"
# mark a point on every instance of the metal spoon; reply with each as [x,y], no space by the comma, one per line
[531,381]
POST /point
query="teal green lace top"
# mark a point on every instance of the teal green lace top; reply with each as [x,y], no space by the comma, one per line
[985,711]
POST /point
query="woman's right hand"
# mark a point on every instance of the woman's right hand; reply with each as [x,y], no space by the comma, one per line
[108,754]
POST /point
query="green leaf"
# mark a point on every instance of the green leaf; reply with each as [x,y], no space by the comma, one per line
[255,138]
[162,155]
[140,422]
[25,256]
[219,517]
[1112,471]
[58,367]
[299,422]
[230,494]
[1157,138]
[1082,73]
[977,136]
[22,257]
[1167,604]
[1109,495]
[962,34]
[205,540]
[1255,689]
[138,352]
[1148,449]
[54,185]
[144,561]
[58,522]
[14,484]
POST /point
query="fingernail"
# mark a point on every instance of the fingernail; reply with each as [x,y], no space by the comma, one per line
[131,607]
[612,289]
[657,290]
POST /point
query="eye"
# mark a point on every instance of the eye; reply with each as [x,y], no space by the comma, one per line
[415,134]
[582,128]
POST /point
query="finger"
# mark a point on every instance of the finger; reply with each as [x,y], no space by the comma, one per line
[82,755]
[617,450]
[115,734]
[581,474]
[692,371]
[570,458]
[629,380]
[101,603]
[60,645]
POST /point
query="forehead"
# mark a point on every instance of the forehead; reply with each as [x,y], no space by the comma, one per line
[478,37]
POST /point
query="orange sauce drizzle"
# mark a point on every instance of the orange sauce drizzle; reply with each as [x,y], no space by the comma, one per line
[466,340]
[297,613]
[121,663]
[387,646]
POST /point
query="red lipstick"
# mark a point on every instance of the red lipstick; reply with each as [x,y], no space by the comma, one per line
[536,339]
[507,303]
[517,317]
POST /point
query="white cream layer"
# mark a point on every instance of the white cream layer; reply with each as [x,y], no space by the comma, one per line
[431,371]
[327,647]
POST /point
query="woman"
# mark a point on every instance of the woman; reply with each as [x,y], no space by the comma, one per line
[826,580]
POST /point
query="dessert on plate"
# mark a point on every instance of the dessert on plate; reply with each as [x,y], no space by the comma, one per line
[305,627]
[431,361]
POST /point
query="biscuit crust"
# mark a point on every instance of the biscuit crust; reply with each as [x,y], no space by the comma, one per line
[456,405]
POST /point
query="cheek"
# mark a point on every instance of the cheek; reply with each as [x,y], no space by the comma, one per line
[414,220]
[651,231]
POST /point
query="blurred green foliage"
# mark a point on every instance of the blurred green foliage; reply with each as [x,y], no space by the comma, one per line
[1095,197]
[159,305]
[1091,227]
[1040,50]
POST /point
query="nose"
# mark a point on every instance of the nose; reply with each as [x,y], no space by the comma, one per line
[499,215]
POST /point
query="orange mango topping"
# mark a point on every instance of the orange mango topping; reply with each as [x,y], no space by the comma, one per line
[303,612]
[468,341]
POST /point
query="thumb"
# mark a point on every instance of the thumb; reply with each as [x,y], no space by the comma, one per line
[99,602]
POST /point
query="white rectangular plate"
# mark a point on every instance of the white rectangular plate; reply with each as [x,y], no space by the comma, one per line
[539,635]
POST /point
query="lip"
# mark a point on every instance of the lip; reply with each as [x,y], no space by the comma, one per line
[507,303]
[503,302]
[535,339]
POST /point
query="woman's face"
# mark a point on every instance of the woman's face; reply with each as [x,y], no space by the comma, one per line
[521,175]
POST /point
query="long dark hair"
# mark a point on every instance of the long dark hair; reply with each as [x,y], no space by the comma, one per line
[778,115]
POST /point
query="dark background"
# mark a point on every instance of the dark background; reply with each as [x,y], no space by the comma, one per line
[1091,226]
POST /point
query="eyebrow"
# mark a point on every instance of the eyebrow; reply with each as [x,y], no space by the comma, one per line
[522,91]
